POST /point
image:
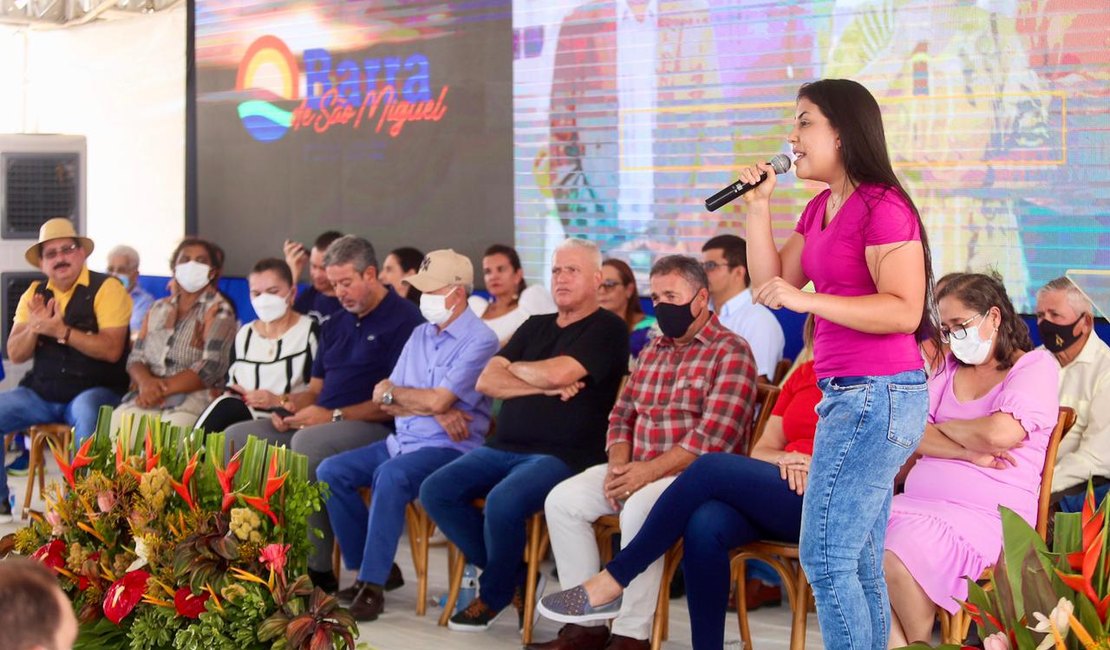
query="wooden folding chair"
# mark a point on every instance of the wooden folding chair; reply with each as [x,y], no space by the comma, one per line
[40,434]
[765,396]
[781,368]
[535,549]
[954,627]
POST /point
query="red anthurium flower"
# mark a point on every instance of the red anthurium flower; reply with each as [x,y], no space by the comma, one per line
[52,554]
[182,488]
[273,557]
[188,604]
[225,476]
[121,598]
[80,460]
[148,446]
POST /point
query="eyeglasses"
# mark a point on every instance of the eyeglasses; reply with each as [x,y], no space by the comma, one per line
[63,250]
[609,285]
[959,332]
[712,266]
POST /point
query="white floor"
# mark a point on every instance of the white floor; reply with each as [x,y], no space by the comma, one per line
[400,629]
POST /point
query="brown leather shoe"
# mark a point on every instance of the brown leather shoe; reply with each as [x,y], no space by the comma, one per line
[760,594]
[575,637]
[618,642]
[368,604]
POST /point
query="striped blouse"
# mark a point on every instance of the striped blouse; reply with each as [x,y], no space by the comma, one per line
[282,365]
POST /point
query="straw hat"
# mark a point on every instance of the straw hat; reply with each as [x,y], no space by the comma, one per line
[57,228]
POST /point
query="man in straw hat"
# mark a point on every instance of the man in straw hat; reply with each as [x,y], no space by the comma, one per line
[74,329]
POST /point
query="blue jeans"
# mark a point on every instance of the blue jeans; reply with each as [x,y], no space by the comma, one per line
[22,407]
[1074,502]
[368,537]
[867,428]
[514,486]
[719,502]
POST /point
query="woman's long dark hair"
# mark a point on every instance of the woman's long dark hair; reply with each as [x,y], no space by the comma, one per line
[634,308]
[854,113]
[409,259]
[514,261]
[980,292]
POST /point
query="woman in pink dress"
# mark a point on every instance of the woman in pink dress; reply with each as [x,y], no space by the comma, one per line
[992,408]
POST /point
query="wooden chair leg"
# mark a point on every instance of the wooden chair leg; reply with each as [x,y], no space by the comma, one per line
[336,559]
[454,585]
[36,465]
[534,552]
[801,611]
[661,623]
[740,580]
[418,525]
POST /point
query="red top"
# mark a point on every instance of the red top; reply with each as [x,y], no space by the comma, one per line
[796,406]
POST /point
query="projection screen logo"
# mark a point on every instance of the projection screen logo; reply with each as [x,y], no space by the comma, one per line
[382,93]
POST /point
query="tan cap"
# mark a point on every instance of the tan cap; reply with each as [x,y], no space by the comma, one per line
[441,268]
[57,228]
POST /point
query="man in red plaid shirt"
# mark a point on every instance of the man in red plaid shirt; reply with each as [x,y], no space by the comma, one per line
[692,392]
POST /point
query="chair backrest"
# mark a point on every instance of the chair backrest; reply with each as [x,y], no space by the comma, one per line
[781,368]
[765,397]
[1064,423]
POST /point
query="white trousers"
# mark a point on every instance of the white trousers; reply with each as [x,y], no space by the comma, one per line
[571,509]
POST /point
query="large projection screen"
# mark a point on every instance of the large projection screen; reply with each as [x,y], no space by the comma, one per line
[628,114]
[391,120]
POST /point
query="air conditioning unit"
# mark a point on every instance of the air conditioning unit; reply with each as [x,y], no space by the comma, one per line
[41,177]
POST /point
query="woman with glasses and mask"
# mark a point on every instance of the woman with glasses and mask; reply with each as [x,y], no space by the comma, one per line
[618,294]
[992,407]
[180,358]
[272,356]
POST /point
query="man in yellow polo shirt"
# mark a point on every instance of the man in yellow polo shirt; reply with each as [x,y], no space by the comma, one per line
[75,329]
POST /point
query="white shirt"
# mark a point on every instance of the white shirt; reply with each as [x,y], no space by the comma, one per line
[758,326]
[637,42]
[1085,387]
[533,301]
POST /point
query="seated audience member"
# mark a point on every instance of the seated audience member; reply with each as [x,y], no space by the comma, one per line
[73,329]
[725,258]
[511,301]
[399,265]
[439,415]
[1066,322]
[935,352]
[359,346]
[992,408]
[35,615]
[123,262]
[691,393]
[318,300]
[271,357]
[719,502]
[179,361]
[619,295]
[558,376]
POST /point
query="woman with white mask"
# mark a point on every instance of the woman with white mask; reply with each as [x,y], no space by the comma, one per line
[179,360]
[272,356]
[992,407]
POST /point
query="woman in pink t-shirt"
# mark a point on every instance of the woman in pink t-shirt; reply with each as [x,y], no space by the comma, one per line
[862,244]
[992,407]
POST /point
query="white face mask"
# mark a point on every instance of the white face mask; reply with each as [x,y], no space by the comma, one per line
[434,308]
[972,349]
[269,307]
[191,276]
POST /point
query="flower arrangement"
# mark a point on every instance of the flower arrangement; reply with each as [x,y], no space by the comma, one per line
[162,542]
[1036,598]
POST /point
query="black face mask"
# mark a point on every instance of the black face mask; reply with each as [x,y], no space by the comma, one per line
[1057,338]
[673,319]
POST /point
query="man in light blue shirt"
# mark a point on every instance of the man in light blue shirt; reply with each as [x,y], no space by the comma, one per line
[123,262]
[439,416]
[725,258]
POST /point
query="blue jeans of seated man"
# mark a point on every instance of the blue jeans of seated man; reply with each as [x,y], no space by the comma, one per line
[22,407]
[514,487]
[368,537]
[867,428]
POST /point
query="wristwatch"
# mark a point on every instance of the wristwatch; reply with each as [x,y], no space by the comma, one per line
[337,415]
[64,338]
[387,397]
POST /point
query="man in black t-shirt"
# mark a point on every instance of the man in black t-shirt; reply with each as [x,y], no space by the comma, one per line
[318,300]
[558,376]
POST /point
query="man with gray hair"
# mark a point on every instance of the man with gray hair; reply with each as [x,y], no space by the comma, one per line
[692,392]
[359,346]
[123,262]
[558,376]
[1066,323]
[35,614]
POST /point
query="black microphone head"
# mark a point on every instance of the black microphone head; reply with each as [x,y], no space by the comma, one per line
[780,163]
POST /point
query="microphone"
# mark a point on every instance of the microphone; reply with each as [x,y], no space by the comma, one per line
[780,163]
